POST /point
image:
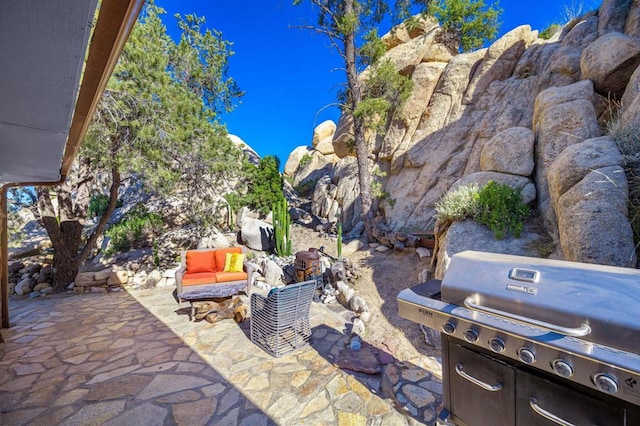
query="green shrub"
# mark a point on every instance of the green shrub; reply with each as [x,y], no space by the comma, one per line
[306,188]
[500,207]
[136,230]
[306,159]
[549,31]
[458,204]
[496,205]
[98,205]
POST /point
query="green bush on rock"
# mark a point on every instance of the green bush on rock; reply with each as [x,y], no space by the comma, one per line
[500,207]
[496,205]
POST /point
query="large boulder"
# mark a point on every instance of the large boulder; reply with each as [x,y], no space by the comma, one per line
[592,231]
[470,235]
[632,24]
[582,90]
[323,136]
[273,273]
[324,130]
[612,16]
[293,162]
[608,184]
[445,105]
[560,126]
[510,151]
[24,286]
[500,60]
[576,161]
[343,142]
[632,90]
[609,62]
[256,234]
[405,57]
[398,136]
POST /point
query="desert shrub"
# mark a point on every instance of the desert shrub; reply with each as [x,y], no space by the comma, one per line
[458,204]
[136,230]
[306,188]
[496,205]
[501,209]
[549,31]
[306,159]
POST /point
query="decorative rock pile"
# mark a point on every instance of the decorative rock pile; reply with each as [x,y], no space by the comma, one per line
[116,278]
[30,278]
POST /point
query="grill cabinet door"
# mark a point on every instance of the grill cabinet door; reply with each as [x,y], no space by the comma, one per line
[471,402]
[571,406]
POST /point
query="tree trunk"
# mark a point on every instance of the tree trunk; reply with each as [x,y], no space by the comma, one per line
[65,225]
[362,150]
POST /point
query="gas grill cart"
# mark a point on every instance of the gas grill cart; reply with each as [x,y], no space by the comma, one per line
[528,341]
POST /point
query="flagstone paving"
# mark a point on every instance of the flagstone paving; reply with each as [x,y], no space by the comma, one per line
[135,359]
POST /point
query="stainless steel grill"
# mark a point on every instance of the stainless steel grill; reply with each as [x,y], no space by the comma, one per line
[520,332]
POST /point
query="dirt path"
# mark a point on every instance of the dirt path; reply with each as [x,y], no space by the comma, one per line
[382,277]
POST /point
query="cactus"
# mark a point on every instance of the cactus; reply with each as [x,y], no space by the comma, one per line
[281,227]
[339,240]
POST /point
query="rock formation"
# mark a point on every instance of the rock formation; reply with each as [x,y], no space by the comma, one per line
[524,111]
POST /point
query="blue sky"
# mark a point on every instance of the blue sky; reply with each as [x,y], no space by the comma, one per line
[290,76]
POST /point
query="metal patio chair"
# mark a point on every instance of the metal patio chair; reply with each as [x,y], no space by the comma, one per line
[280,322]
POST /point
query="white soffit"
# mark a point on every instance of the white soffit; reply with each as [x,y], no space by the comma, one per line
[42,50]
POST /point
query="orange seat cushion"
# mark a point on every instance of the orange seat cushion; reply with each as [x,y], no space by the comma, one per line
[223,277]
[201,261]
[199,278]
[221,255]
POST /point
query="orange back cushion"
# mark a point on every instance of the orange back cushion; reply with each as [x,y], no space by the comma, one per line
[201,261]
[221,256]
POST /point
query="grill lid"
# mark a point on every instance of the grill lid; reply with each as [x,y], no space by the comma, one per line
[597,303]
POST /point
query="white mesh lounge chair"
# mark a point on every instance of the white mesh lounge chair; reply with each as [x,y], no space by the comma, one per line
[280,322]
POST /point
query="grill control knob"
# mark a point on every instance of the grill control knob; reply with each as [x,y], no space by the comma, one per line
[605,383]
[449,327]
[526,355]
[471,335]
[562,368]
[496,345]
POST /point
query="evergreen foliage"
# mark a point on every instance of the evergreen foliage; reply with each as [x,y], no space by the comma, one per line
[138,229]
[470,22]
[158,116]
[157,120]
[282,227]
[263,186]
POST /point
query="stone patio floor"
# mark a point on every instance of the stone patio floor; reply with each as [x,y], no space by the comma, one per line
[134,358]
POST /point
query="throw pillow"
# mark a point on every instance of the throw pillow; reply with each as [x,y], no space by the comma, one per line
[233,262]
[200,261]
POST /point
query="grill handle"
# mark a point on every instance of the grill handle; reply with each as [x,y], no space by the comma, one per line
[547,415]
[483,385]
[581,331]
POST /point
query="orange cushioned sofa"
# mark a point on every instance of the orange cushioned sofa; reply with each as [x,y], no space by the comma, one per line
[211,273]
